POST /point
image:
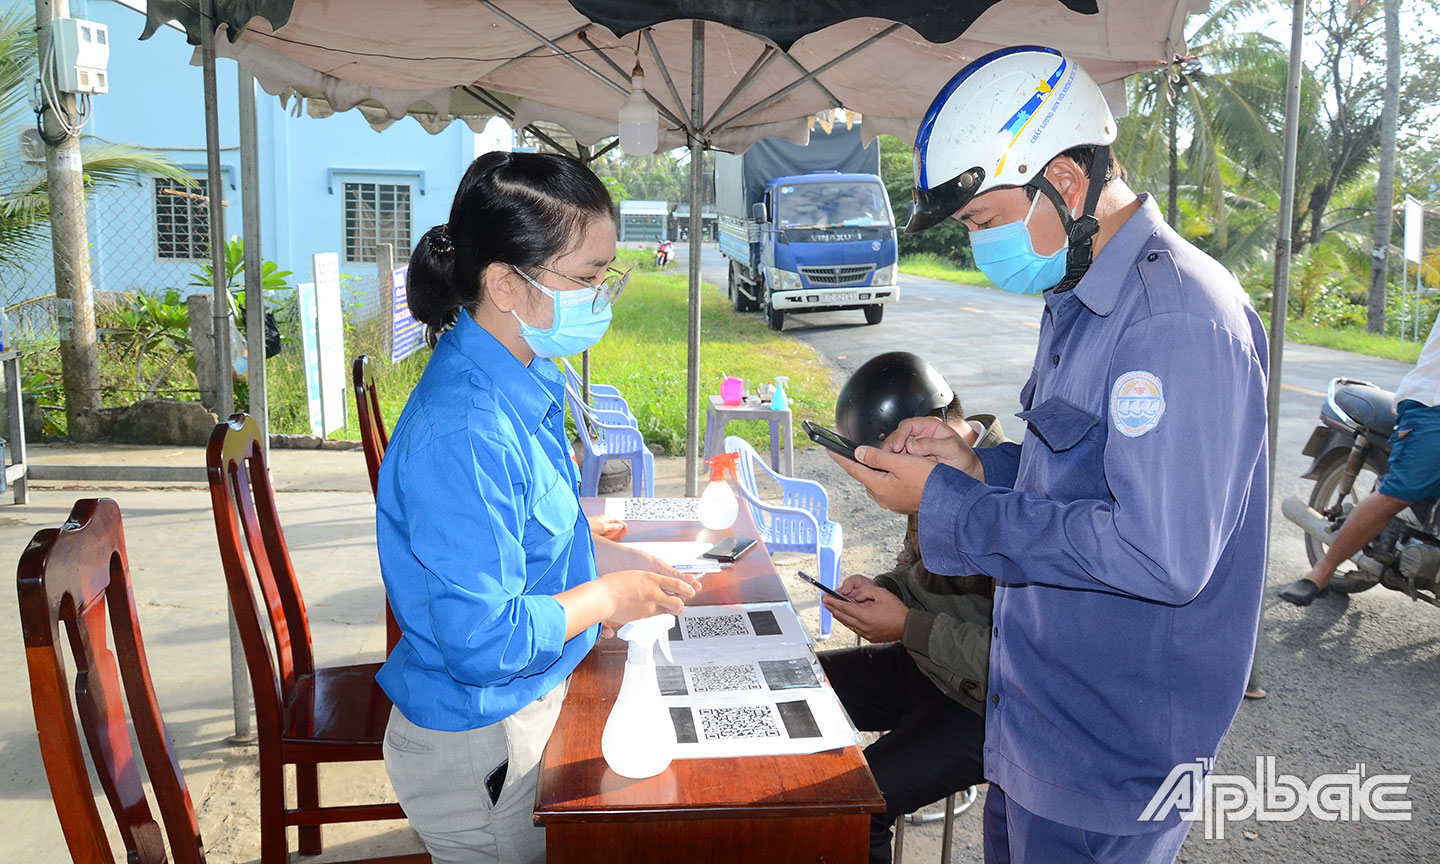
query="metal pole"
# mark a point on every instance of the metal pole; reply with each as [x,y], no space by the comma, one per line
[585,377]
[254,257]
[697,167]
[1280,298]
[225,389]
[79,351]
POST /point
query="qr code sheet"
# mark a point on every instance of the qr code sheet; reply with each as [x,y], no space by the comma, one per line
[723,679]
[748,721]
[716,626]
[660,509]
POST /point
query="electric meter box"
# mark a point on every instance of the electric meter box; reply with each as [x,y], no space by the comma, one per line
[82,53]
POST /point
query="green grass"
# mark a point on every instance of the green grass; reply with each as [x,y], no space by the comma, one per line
[644,355]
[1356,341]
[932,266]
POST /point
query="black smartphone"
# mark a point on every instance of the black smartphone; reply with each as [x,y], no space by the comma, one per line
[730,549]
[823,587]
[495,781]
[830,439]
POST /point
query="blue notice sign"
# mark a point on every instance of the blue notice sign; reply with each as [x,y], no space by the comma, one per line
[407,334]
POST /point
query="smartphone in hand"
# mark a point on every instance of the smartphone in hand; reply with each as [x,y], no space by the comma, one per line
[830,439]
[823,587]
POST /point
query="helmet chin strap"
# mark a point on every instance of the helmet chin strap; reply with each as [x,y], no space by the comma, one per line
[1081,231]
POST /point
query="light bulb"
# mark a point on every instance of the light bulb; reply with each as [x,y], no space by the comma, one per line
[639,121]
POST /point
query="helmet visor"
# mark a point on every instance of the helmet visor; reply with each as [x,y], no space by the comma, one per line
[934,205]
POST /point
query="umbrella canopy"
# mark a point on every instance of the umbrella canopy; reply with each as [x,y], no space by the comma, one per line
[569,63]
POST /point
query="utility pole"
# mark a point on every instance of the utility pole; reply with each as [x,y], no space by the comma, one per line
[224,385]
[79,354]
[1385,189]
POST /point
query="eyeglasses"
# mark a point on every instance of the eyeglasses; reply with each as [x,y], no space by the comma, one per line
[607,290]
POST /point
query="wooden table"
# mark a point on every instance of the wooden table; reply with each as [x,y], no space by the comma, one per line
[763,808]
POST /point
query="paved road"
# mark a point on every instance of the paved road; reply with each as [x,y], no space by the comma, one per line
[1351,680]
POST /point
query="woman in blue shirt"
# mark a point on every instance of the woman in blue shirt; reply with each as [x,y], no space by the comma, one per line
[493,575]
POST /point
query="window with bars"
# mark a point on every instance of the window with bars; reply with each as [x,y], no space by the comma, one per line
[182,220]
[376,213]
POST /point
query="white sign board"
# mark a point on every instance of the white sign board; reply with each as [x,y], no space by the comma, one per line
[310,346]
[406,334]
[1414,230]
[330,326]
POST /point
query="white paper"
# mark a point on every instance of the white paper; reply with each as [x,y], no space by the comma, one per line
[764,724]
[654,509]
[680,554]
[744,625]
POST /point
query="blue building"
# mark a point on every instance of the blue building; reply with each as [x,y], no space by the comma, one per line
[326,185]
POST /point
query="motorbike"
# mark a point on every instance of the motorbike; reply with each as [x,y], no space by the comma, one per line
[665,254]
[1350,452]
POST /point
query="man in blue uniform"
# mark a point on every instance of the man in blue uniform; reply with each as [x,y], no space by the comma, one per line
[1127,531]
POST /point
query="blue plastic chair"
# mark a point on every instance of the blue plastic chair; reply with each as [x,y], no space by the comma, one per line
[799,523]
[602,396]
[607,435]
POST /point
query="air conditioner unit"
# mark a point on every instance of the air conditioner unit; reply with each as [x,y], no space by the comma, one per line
[32,147]
[82,53]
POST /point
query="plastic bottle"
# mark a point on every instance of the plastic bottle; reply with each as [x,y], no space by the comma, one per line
[780,401]
[639,736]
[718,507]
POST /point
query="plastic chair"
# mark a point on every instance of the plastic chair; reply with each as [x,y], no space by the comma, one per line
[373,439]
[75,575]
[607,435]
[305,715]
[602,396]
[800,523]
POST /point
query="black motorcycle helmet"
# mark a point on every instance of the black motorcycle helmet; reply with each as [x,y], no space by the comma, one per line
[885,390]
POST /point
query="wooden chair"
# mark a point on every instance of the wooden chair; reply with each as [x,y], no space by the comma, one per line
[374,439]
[77,574]
[305,715]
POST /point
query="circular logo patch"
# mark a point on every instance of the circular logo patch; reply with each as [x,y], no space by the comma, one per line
[875,245]
[1137,402]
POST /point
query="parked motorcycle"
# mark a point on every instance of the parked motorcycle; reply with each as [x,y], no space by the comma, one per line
[1351,451]
[665,254]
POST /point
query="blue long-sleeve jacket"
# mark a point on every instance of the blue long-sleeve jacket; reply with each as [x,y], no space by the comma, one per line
[1127,532]
[478,524]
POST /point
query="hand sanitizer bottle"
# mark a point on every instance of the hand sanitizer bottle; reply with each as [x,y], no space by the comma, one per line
[718,508]
[639,737]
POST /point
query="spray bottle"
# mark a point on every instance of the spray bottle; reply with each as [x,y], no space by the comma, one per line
[639,737]
[781,400]
[718,508]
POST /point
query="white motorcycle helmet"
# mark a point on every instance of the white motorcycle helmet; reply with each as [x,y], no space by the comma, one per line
[998,123]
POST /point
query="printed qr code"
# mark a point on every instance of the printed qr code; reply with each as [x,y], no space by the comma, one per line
[661,509]
[714,626]
[713,679]
[748,721]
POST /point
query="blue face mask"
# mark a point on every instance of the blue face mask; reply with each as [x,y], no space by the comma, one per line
[1008,258]
[575,324]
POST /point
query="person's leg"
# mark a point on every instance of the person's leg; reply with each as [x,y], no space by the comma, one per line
[1363,524]
[996,828]
[937,749]
[1033,839]
[871,683]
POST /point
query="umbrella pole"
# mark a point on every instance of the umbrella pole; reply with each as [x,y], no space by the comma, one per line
[1280,295]
[697,167]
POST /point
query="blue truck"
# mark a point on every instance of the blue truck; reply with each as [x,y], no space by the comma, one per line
[807,229]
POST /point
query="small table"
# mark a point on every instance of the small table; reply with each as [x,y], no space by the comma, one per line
[700,811]
[718,415]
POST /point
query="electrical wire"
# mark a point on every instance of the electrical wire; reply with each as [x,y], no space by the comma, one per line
[52,97]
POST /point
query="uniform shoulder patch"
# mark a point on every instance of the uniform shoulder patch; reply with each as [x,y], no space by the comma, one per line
[1137,402]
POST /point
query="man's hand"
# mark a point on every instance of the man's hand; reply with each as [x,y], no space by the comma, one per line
[929,437]
[876,614]
[897,485]
[607,526]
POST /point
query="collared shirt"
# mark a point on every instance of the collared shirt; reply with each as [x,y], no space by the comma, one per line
[478,523]
[1127,532]
[1422,384]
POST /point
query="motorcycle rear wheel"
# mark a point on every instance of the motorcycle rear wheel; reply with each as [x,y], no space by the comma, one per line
[1348,578]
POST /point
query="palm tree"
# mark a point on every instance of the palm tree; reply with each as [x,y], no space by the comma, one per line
[24,199]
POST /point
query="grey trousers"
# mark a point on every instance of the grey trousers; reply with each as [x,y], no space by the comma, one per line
[440,779]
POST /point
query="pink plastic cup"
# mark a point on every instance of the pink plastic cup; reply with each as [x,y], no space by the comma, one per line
[732,390]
